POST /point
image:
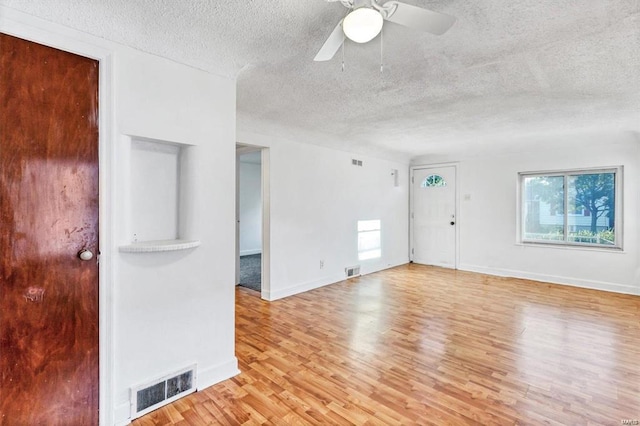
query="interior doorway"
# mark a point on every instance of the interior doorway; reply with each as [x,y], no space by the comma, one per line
[252,218]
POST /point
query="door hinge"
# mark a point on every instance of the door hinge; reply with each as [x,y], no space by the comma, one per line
[411,251]
[412,179]
[411,215]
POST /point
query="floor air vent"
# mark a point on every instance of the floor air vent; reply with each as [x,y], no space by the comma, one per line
[352,271]
[150,396]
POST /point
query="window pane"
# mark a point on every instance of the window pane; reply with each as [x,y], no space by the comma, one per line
[543,209]
[591,208]
[432,181]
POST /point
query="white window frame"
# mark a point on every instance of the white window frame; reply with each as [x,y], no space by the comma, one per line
[619,202]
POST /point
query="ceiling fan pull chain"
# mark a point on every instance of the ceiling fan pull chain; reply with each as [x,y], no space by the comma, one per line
[343,43]
[382,51]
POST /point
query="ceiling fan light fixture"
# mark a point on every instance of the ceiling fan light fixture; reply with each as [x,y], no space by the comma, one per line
[362,25]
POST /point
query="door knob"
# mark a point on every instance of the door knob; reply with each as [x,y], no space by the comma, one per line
[453,223]
[85,254]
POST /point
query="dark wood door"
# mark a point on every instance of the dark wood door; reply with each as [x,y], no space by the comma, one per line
[49,212]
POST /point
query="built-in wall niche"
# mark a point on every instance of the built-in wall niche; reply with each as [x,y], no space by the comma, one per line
[158,196]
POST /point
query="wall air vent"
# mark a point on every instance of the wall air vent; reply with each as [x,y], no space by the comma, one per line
[153,395]
[352,271]
[356,162]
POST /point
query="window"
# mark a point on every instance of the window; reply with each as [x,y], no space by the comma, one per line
[573,208]
[433,181]
[369,239]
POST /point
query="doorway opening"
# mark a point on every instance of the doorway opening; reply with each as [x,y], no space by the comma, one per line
[252,219]
[434,233]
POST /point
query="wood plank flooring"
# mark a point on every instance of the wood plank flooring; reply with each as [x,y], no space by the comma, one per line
[425,345]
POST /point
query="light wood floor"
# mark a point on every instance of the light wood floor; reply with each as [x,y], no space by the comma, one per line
[424,345]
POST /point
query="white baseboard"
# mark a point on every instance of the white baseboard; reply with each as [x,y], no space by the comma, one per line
[365,270]
[312,285]
[122,414]
[218,373]
[553,279]
[301,288]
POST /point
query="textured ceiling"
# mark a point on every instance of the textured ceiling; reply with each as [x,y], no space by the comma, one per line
[508,70]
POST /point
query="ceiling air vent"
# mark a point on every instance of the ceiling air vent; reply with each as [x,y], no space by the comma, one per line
[352,271]
[152,395]
[356,162]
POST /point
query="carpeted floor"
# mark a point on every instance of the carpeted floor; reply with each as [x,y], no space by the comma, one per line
[250,271]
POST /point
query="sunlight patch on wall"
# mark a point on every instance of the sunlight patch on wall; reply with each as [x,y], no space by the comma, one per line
[369,239]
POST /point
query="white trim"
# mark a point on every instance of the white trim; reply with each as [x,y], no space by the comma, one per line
[553,279]
[122,414]
[37,30]
[237,244]
[108,224]
[265,182]
[602,249]
[242,149]
[265,285]
[159,246]
[574,171]
[412,169]
[301,288]
[364,266]
[329,280]
[217,373]
[250,252]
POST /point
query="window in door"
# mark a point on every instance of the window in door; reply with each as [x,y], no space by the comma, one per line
[433,181]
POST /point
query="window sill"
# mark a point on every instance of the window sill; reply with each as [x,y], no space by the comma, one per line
[616,250]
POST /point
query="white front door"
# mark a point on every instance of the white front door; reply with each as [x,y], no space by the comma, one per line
[434,216]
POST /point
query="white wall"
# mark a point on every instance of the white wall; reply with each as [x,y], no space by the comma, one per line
[250,206]
[159,312]
[176,308]
[316,199]
[488,220]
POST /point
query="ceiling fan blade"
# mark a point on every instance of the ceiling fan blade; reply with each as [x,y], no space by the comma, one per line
[420,19]
[331,46]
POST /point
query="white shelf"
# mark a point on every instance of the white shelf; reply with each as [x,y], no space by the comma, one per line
[158,246]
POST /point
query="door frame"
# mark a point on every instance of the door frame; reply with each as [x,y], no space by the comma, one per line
[243,148]
[33,29]
[412,169]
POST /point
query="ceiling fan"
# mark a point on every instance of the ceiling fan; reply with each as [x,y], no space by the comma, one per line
[366,18]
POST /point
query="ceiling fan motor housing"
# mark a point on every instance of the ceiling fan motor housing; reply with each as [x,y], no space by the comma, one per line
[366,17]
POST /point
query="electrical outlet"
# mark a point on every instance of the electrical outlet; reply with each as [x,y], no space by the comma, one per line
[321,264]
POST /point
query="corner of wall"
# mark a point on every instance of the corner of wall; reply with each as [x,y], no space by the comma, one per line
[218,373]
